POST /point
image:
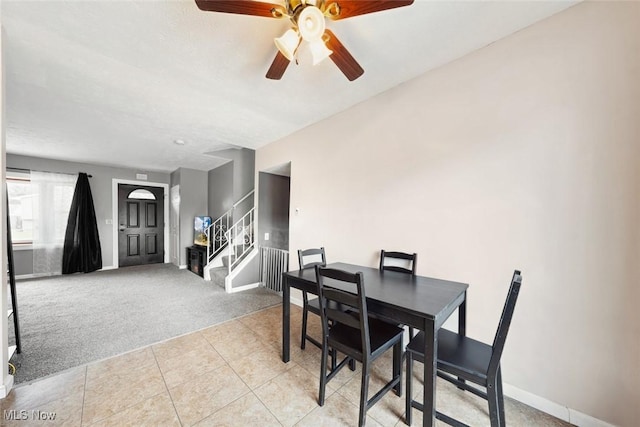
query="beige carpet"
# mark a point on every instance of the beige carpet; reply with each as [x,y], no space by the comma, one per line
[67,321]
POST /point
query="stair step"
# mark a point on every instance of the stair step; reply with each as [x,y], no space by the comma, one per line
[228,259]
[218,275]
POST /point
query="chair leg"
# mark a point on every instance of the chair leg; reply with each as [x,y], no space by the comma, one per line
[397,367]
[352,364]
[323,372]
[334,359]
[492,397]
[305,312]
[500,396]
[364,394]
[409,392]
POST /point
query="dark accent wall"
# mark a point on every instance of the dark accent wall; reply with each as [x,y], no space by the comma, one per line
[273,216]
[231,182]
[193,202]
[244,165]
[220,191]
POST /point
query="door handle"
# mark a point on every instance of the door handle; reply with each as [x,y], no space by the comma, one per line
[122,227]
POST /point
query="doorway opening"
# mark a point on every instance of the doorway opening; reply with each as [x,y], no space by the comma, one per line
[274,193]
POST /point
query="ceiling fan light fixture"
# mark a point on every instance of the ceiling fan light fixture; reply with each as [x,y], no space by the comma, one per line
[311,24]
[288,43]
[319,51]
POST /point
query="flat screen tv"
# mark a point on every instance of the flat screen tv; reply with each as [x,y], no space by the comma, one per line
[201,223]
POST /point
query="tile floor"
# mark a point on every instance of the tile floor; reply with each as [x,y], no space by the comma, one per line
[230,374]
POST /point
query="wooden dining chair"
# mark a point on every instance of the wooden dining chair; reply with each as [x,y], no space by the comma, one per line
[355,334]
[309,258]
[462,359]
[400,262]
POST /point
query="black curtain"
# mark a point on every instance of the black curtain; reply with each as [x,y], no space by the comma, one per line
[82,250]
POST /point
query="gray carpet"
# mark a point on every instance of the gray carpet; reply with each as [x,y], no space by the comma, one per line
[72,320]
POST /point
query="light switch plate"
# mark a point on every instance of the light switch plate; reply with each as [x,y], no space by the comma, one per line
[266,236]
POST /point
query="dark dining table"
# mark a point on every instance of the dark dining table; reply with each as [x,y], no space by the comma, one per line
[422,302]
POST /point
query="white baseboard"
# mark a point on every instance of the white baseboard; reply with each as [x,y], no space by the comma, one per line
[28,276]
[296,301]
[584,420]
[6,387]
[109,267]
[182,267]
[552,408]
[244,287]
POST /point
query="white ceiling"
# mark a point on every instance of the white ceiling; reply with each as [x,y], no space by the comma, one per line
[115,82]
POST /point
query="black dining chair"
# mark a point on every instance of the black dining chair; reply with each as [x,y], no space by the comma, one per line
[355,334]
[400,262]
[462,359]
[309,258]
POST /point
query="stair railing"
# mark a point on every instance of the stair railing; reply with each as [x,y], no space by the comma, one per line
[217,231]
[241,237]
[216,235]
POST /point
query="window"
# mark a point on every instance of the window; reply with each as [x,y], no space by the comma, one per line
[39,204]
[141,194]
[20,193]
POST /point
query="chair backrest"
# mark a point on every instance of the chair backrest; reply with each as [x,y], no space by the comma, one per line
[313,257]
[350,294]
[505,321]
[408,259]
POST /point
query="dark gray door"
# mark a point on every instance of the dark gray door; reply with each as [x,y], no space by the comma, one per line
[140,225]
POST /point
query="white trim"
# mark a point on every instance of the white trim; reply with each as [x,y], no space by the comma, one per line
[182,267]
[295,301]
[228,280]
[579,419]
[22,246]
[6,387]
[552,408]
[36,276]
[535,401]
[29,276]
[114,219]
[244,287]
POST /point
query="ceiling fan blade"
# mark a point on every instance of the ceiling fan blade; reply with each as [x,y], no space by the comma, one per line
[243,7]
[349,8]
[342,58]
[278,67]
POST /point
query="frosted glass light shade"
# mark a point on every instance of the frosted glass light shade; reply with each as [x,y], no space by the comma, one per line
[319,51]
[288,43]
[311,23]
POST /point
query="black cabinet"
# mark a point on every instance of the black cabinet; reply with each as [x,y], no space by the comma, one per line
[196,259]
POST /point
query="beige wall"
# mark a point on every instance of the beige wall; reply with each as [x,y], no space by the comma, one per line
[523,155]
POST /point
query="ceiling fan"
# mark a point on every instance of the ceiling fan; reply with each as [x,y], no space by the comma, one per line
[308,25]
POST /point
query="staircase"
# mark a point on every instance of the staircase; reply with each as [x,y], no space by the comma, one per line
[231,249]
[216,235]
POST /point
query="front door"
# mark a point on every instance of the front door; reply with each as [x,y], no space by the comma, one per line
[140,225]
